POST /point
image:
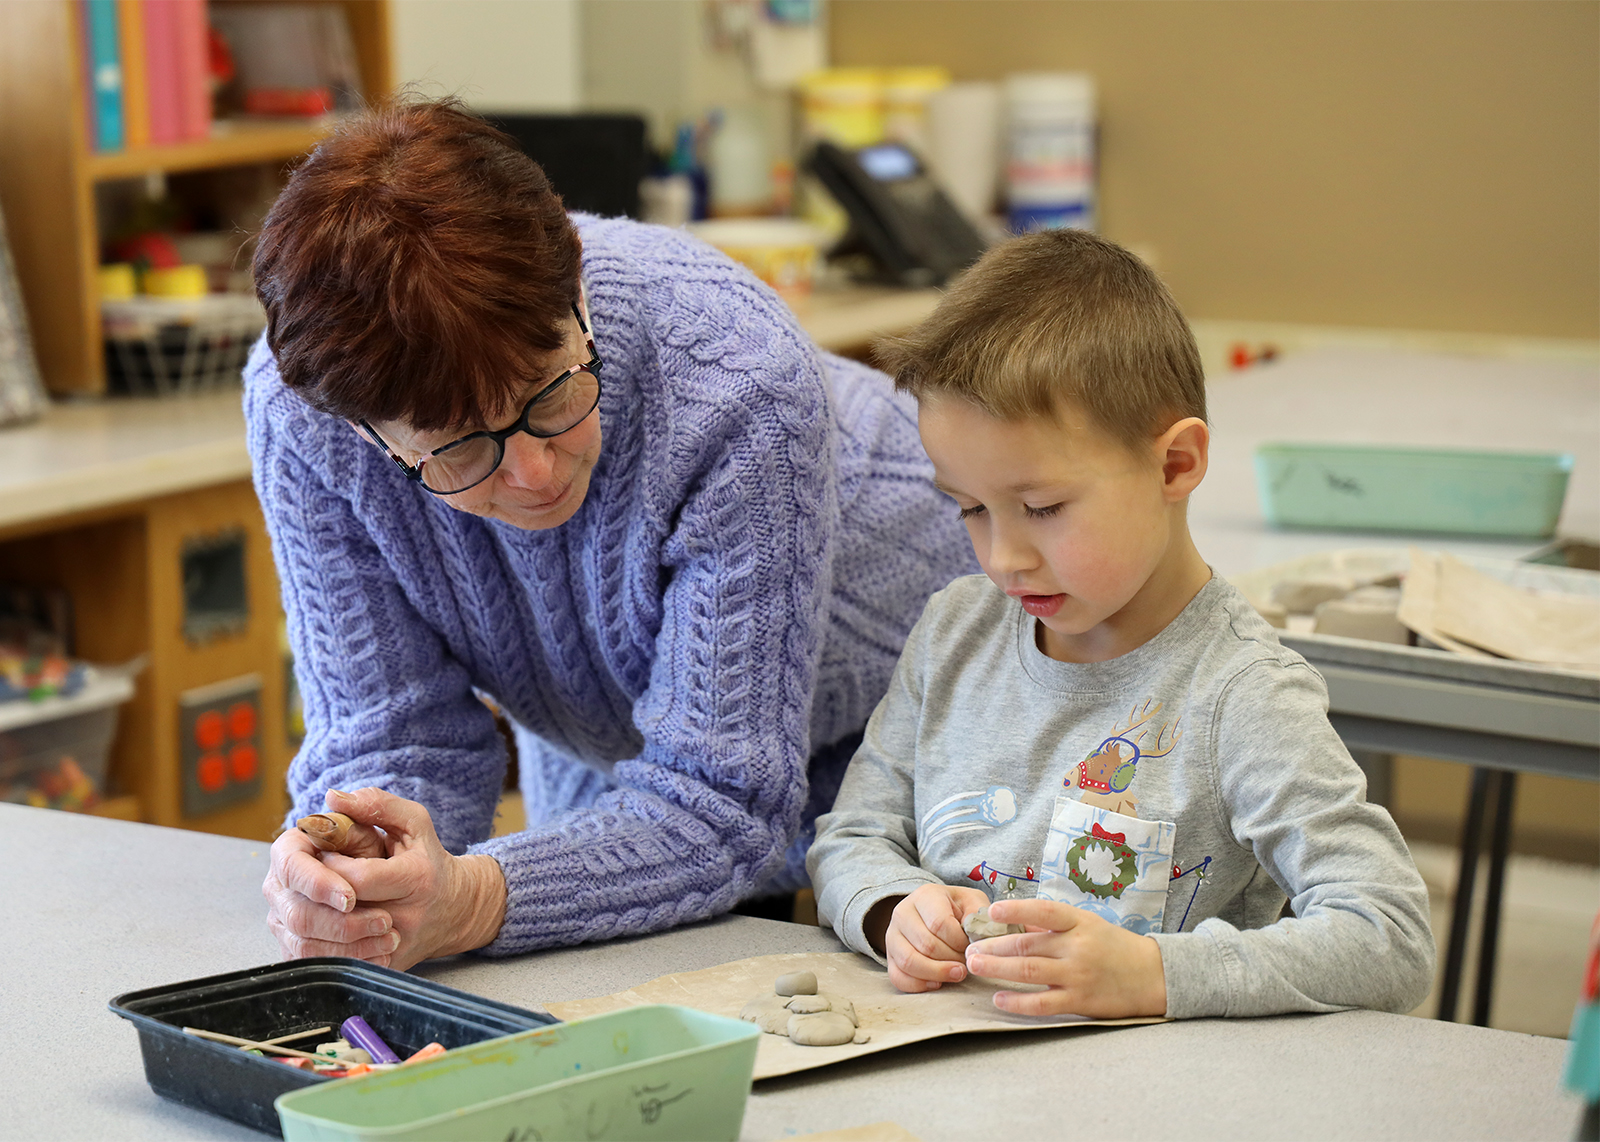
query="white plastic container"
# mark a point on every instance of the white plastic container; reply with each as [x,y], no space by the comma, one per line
[964,147]
[1050,175]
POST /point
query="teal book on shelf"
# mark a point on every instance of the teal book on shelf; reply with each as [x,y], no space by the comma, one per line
[103,62]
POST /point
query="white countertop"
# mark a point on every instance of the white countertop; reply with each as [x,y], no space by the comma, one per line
[82,455]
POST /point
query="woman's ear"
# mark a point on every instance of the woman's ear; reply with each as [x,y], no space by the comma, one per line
[1184,450]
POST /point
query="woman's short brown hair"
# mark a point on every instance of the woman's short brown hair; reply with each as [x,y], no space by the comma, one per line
[415,268]
[1059,315]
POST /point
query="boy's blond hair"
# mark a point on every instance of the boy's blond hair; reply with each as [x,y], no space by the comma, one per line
[1052,317]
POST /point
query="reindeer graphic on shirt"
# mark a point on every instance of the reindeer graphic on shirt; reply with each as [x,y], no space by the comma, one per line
[1103,777]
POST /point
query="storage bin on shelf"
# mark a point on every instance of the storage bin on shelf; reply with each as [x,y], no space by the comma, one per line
[54,751]
[160,346]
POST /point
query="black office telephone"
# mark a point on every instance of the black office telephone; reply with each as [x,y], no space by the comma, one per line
[898,214]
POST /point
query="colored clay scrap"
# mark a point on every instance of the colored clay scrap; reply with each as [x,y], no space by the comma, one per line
[328,831]
[795,1009]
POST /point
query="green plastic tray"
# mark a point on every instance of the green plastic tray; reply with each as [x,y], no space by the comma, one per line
[657,1072]
[1412,489]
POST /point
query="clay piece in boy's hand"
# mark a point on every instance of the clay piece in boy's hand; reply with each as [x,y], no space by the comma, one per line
[796,983]
[824,1029]
[978,926]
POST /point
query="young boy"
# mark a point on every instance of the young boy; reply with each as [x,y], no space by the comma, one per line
[1098,738]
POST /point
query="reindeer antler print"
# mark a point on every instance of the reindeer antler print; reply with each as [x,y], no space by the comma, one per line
[1167,736]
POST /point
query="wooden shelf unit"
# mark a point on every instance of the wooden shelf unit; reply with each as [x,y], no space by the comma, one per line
[48,171]
[122,566]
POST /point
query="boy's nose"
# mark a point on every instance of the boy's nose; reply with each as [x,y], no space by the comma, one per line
[1010,554]
[529,462]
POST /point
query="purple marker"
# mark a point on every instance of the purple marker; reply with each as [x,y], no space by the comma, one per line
[358,1034]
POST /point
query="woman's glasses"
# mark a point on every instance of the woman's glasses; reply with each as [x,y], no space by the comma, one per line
[465,463]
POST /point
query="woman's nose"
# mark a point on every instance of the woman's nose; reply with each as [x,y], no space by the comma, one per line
[529,462]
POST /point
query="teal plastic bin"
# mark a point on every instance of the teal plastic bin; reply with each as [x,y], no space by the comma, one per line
[657,1072]
[1412,489]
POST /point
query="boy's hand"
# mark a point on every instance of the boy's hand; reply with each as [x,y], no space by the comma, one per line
[1091,967]
[924,942]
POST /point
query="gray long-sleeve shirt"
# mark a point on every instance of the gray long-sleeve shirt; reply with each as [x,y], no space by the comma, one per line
[1182,790]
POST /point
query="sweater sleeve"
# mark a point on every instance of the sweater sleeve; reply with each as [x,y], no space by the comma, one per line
[1359,936]
[866,849]
[705,812]
[385,703]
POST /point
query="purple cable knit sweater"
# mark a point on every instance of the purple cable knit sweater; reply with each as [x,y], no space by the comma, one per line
[759,535]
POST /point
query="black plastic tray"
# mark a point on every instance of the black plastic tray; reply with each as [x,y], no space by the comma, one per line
[260,1003]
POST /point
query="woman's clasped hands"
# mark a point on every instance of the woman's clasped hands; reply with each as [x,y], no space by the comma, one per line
[392,895]
[1085,964]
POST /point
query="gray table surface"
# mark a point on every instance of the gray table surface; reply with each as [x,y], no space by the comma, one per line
[93,908]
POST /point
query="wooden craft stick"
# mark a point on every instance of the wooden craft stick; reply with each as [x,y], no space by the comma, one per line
[328,831]
[234,1040]
[298,1035]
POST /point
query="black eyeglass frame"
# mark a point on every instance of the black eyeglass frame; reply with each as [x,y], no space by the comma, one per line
[413,472]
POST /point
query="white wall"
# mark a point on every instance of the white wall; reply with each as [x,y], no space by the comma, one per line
[498,55]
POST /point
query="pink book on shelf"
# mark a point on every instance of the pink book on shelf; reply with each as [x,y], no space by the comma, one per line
[194,59]
[162,71]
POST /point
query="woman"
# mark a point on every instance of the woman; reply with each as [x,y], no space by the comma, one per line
[593,470]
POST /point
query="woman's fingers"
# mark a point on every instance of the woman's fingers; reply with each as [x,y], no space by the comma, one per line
[399,818]
[374,949]
[296,867]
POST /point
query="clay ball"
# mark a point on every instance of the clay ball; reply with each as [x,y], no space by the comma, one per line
[796,983]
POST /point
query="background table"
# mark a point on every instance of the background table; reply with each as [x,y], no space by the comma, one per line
[97,907]
[1501,719]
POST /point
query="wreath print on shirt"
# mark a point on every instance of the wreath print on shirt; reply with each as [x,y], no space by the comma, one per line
[1101,863]
[1102,778]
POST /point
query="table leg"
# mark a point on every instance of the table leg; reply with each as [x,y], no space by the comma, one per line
[1499,847]
[1461,909]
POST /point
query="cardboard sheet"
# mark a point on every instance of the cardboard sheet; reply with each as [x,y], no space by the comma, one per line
[1419,599]
[1509,621]
[890,1017]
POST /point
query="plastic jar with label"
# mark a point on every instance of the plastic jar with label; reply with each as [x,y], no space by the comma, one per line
[1050,172]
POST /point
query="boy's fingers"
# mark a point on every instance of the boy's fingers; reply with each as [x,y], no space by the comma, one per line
[904,954]
[1051,915]
[1016,969]
[946,939]
[1052,1002]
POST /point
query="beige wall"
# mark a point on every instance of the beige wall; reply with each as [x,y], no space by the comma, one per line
[1400,163]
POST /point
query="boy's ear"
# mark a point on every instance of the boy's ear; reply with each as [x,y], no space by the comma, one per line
[1184,451]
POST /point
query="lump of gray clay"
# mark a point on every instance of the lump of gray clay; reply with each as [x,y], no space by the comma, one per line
[978,926]
[1301,596]
[861,1037]
[825,1029]
[1375,622]
[768,1013]
[844,1007]
[796,983]
[809,1004]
